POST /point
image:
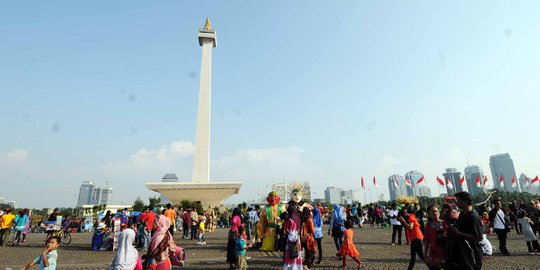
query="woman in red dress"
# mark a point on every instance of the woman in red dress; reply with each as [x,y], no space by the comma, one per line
[348,248]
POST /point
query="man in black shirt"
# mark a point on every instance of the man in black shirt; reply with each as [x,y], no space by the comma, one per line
[53,215]
[469,229]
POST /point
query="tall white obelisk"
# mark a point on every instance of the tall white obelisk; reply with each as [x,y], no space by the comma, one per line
[201,189]
[201,162]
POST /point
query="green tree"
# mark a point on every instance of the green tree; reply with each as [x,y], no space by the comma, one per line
[138,204]
[186,204]
[154,201]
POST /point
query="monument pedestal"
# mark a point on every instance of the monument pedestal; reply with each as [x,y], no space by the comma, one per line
[211,193]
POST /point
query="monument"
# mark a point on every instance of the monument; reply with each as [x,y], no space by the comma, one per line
[200,189]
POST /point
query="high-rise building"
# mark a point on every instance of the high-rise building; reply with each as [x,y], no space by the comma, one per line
[102,195]
[472,173]
[85,193]
[453,177]
[307,191]
[502,167]
[526,185]
[417,189]
[399,189]
[333,195]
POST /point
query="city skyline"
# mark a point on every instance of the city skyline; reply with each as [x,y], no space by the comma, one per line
[368,89]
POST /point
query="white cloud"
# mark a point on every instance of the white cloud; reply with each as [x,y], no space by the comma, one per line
[264,164]
[164,158]
[389,161]
[15,155]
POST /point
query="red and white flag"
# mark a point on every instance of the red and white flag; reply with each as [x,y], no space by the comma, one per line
[485,180]
[501,180]
[514,184]
[478,181]
[535,180]
[374,181]
[362,181]
[420,180]
[441,182]
[408,182]
[449,184]
[462,180]
[395,181]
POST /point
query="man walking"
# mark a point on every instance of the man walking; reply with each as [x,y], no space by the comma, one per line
[396,224]
[499,221]
[468,228]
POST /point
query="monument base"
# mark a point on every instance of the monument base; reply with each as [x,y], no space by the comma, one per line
[207,193]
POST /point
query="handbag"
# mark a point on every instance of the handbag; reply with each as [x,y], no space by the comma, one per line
[178,257]
[506,227]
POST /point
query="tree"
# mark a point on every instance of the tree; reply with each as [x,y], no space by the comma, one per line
[154,201]
[138,204]
[186,204]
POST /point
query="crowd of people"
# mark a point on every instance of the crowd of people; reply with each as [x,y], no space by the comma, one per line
[450,236]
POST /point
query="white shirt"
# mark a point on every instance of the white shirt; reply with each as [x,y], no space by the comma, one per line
[392,213]
[498,220]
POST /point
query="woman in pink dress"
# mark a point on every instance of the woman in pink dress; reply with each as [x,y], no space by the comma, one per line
[292,259]
[160,246]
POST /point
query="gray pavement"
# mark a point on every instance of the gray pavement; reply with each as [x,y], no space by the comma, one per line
[373,244]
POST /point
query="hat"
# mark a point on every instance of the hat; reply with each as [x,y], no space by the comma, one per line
[56,209]
[101,225]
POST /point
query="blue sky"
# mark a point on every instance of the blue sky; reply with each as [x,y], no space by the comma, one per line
[107,91]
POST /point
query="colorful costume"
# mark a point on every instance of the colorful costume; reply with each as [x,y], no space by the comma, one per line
[348,248]
[268,221]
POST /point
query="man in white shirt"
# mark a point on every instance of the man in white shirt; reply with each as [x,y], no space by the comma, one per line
[499,220]
[396,225]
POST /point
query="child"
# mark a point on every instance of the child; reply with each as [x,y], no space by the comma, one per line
[47,260]
[200,233]
[347,247]
[97,238]
[240,249]
[528,234]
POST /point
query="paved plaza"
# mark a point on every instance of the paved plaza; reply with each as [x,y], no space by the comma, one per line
[372,243]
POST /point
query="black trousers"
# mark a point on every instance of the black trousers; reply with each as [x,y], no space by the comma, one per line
[501,235]
[319,246]
[193,232]
[416,249]
[171,229]
[398,229]
[533,246]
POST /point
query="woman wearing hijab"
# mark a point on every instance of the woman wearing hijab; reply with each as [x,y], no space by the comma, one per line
[318,235]
[127,257]
[161,244]
[292,258]
[236,222]
[337,226]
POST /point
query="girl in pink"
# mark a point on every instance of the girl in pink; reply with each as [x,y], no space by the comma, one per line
[161,244]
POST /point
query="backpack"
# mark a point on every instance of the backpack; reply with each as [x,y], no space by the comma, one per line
[293,249]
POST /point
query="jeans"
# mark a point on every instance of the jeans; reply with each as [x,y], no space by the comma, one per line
[145,239]
[4,236]
[501,234]
[338,240]
[185,229]
[398,229]
[416,248]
